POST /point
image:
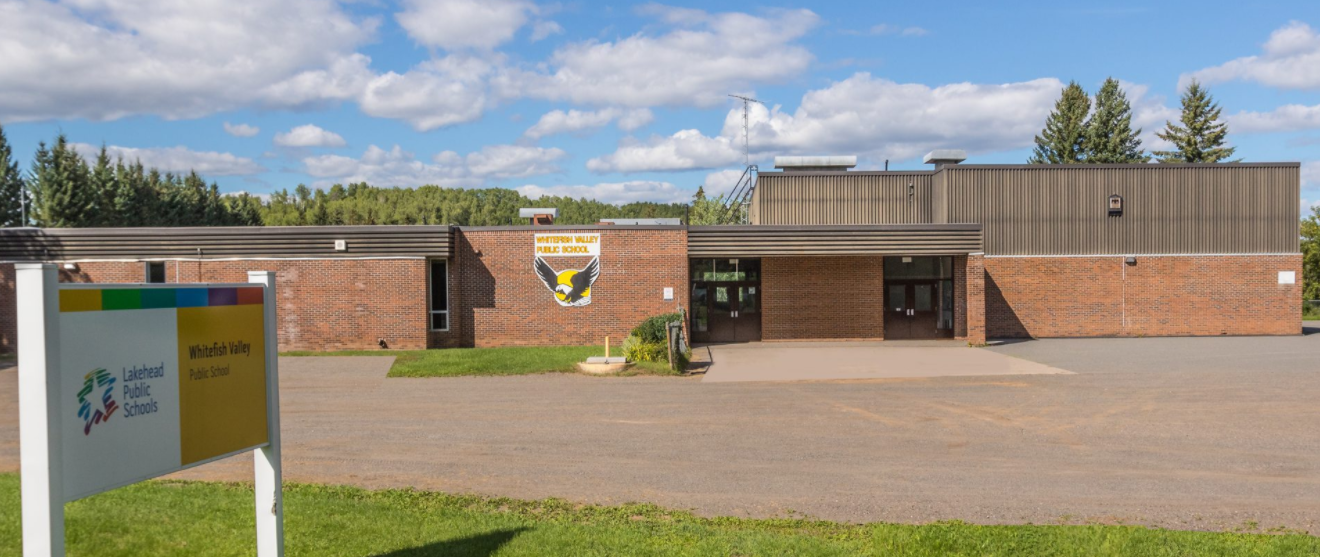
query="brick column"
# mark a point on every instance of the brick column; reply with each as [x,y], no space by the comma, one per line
[975,288]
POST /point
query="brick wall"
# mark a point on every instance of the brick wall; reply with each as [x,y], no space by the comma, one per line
[973,319]
[807,298]
[323,304]
[497,299]
[1159,296]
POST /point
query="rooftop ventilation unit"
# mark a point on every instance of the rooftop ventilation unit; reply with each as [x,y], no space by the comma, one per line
[941,157]
[815,164]
[539,216]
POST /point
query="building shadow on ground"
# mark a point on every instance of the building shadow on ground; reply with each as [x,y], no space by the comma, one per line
[480,545]
[1308,328]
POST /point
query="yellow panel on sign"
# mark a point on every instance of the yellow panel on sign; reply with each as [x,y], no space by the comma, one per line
[80,300]
[222,380]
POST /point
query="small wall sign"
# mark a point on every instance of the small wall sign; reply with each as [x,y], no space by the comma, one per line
[1287,277]
[669,292]
[1115,205]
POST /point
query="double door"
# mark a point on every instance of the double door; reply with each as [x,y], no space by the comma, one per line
[733,310]
[912,310]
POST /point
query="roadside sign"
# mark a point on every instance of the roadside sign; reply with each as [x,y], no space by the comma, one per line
[124,383]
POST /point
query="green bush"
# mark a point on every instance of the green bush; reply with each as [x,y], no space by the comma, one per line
[653,328]
[637,350]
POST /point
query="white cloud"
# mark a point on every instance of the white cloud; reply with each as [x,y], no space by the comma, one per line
[1286,118]
[399,168]
[636,118]
[685,150]
[861,115]
[694,64]
[434,94]
[513,161]
[241,130]
[1290,60]
[543,29]
[721,182]
[1310,186]
[457,24]
[176,159]
[106,60]
[264,197]
[393,168]
[309,135]
[889,29]
[577,121]
[615,192]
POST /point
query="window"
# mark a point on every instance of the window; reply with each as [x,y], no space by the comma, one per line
[439,279]
[155,272]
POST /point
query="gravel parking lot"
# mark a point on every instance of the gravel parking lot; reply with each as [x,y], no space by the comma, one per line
[1184,433]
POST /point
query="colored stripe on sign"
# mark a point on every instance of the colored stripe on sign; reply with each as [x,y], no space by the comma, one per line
[111,299]
[121,298]
[249,296]
[80,300]
[158,298]
[223,297]
[191,297]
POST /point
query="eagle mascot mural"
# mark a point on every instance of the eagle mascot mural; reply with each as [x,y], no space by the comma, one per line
[571,287]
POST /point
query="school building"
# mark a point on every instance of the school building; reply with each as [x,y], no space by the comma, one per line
[959,251]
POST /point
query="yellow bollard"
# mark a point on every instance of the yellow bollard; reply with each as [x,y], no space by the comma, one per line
[607,347]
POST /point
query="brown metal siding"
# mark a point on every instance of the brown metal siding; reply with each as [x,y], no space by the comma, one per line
[762,240]
[1167,209]
[223,242]
[843,198]
[939,198]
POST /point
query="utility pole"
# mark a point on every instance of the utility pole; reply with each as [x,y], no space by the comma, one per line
[747,101]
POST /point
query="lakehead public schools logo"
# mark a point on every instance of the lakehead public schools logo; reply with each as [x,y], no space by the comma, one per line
[571,287]
[96,379]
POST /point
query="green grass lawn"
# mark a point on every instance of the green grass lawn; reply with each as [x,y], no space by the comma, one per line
[511,360]
[187,518]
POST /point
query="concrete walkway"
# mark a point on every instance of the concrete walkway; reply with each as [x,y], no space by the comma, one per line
[822,361]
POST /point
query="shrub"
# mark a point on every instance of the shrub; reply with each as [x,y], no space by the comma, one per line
[653,328]
[637,350]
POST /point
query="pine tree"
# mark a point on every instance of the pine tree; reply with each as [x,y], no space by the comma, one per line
[103,188]
[1110,138]
[1062,140]
[61,194]
[1201,136]
[11,186]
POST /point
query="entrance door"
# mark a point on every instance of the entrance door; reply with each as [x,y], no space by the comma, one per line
[912,310]
[735,313]
[726,300]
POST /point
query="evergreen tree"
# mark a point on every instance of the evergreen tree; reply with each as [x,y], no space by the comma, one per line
[1201,136]
[1110,138]
[1062,140]
[128,199]
[62,196]
[11,186]
[104,189]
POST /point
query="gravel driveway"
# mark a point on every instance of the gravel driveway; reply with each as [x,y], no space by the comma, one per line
[1183,433]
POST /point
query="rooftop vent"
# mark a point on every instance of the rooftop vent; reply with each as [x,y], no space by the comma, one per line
[941,157]
[815,164]
[538,216]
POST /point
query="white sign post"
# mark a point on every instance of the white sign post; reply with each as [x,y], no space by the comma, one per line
[127,382]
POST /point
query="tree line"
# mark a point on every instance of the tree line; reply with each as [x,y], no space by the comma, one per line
[1074,133]
[63,190]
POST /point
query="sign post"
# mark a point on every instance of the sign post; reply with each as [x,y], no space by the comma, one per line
[38,424]
[127,382]
[266,460]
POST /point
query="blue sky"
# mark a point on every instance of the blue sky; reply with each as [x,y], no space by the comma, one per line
[625,102]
